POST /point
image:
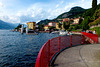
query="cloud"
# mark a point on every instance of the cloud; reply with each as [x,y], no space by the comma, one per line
[1,5]
[57,5]
[83,0]
[98,1]
[41,11]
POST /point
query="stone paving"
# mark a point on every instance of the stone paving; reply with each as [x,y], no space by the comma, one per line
[79,56]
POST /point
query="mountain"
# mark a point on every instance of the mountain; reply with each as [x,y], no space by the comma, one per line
[73,13]
[5,25]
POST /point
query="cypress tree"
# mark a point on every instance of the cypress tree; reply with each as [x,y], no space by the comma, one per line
[94,4]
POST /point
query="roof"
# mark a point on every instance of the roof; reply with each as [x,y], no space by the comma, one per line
[76,18]
[66,19]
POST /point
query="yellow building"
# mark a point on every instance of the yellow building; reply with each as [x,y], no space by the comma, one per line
[46,27]
[61,23]
[31,25]
[57,26]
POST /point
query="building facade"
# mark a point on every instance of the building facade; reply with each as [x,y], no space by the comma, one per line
[46,27]
[31,25]
[52,24]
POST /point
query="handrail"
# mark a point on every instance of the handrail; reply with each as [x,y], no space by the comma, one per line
[54,45]
[92,37]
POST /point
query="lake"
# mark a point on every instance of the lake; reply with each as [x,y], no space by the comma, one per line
[18,50]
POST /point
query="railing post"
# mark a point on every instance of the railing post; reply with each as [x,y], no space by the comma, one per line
[59,42]
[83,39]
[40,61]
[97,38]
[48,51]
[71,41]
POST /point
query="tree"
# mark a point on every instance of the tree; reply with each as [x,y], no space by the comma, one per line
[41,27]
[96,14]
[59,25]
[85,23]
[76,27]
[80,21]
[19,26]
[64,25]
[52,27]
[94,4]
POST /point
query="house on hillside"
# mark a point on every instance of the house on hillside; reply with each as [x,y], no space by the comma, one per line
[76,21]
[57,25]
[52,24]
[66,20]
[61,22]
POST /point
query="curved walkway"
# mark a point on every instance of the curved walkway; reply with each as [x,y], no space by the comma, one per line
[79,56]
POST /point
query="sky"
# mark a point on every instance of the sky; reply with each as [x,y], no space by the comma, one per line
[23,11]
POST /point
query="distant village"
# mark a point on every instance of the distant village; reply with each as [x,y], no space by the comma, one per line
[52,26]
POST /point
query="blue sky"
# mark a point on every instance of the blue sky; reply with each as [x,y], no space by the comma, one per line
[23,11]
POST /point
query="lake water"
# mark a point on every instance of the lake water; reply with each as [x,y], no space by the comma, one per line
[18,50]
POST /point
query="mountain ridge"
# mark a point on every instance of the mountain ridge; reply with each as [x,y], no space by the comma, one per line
[73,13]
[6,25]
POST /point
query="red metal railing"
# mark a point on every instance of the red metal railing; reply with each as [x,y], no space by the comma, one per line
[51,47]
[93,38]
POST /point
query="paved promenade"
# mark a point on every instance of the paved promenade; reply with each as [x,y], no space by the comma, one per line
[79,56]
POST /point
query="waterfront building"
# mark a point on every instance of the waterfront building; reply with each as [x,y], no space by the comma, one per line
[31,25]
[46,27]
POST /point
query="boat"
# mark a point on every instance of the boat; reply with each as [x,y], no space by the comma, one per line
[62,32]
[55,32]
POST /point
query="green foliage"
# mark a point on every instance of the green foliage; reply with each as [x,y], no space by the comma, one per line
[64,25]
[41,27]
[80,21]
[98,6]
[89,12]
[52,27]
[85,23]
[59,25]
[19,26]
[96,14]
[94,4]
[76,27]
[94,23]
[97,30]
